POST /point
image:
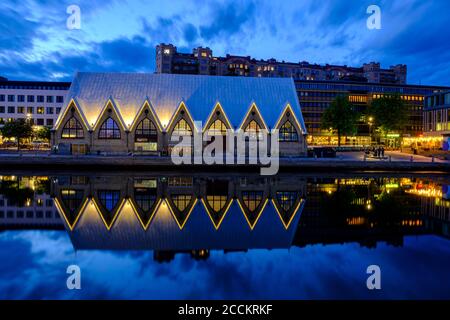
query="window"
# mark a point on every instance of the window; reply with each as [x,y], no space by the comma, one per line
[2,109]
[72,129]
[146,132]
[40,122]
[49,110]
[21,98]
[181,201]
[286,200]
[59,99]
[253,129]
[40,98]
[20,109]
[109,130]
[252,199]
[146,136]
[216,202]
[2,97]
[11,98]
[217,128]
[11,109]
[30,110]
[288,133]
[49,99]
[182,128]
[40,110]
[49,122]
[109,198]
[30,98]
[58,110]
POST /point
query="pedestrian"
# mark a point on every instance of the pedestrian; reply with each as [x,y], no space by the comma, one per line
[382,152]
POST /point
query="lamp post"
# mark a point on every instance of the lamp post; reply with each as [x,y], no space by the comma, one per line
[370,128]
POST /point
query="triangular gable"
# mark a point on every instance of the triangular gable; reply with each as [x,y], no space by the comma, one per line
[182,105]
[146,104]
[217,106]
[73,103]
[253,106]
[286,109]
[227,207]
[110,103]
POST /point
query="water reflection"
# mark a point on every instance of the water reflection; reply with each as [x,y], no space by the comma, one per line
[172,214]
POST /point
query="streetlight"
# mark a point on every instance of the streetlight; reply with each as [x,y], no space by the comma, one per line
[370,128]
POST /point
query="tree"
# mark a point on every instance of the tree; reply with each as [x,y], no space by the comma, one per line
[389,113]
[19,129]
[340,117]
[43,133]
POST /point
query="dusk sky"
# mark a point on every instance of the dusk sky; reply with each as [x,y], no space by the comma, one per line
[121,35]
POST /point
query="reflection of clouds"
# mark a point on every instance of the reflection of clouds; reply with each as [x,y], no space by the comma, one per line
[33,265]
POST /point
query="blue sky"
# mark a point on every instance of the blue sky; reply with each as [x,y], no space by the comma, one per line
[121,35]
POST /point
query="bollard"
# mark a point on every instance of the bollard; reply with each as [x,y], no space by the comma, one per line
[412,159]
[432,159]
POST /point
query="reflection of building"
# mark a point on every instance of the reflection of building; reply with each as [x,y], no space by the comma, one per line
[140,113]
[202,61]
[179,213]
[22,204]
[363,210]
[40,102]
[436,121]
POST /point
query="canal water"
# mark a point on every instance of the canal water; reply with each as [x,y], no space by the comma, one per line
[156,235]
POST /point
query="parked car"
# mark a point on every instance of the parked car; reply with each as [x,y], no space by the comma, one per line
[322,152]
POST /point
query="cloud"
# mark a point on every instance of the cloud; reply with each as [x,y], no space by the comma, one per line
[227,20]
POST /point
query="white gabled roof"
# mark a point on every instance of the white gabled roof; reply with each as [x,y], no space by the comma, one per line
[200,94]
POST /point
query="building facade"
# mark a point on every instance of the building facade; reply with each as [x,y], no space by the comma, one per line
[436,120]
[201,61]
[315,97]
[119,113]
[37,101]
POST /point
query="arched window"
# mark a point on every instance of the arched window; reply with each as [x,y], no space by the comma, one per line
[252,199]
[217,128]
[182,128]
[146,136]
[286,200]
[72,129]
[109,130]
[288,133]
[253,129]
[181,201]
[146,131]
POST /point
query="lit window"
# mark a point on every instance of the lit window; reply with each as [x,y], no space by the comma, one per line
[288,133]
[40,110]
[217,128]
[146,136]
[72,129]
[252,199]
[253,129]
[109,130]
[182,128]
[166,51]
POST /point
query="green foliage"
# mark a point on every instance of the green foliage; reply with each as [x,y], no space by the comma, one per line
[390,113]
[19,129]
[341,117]
[43,133]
